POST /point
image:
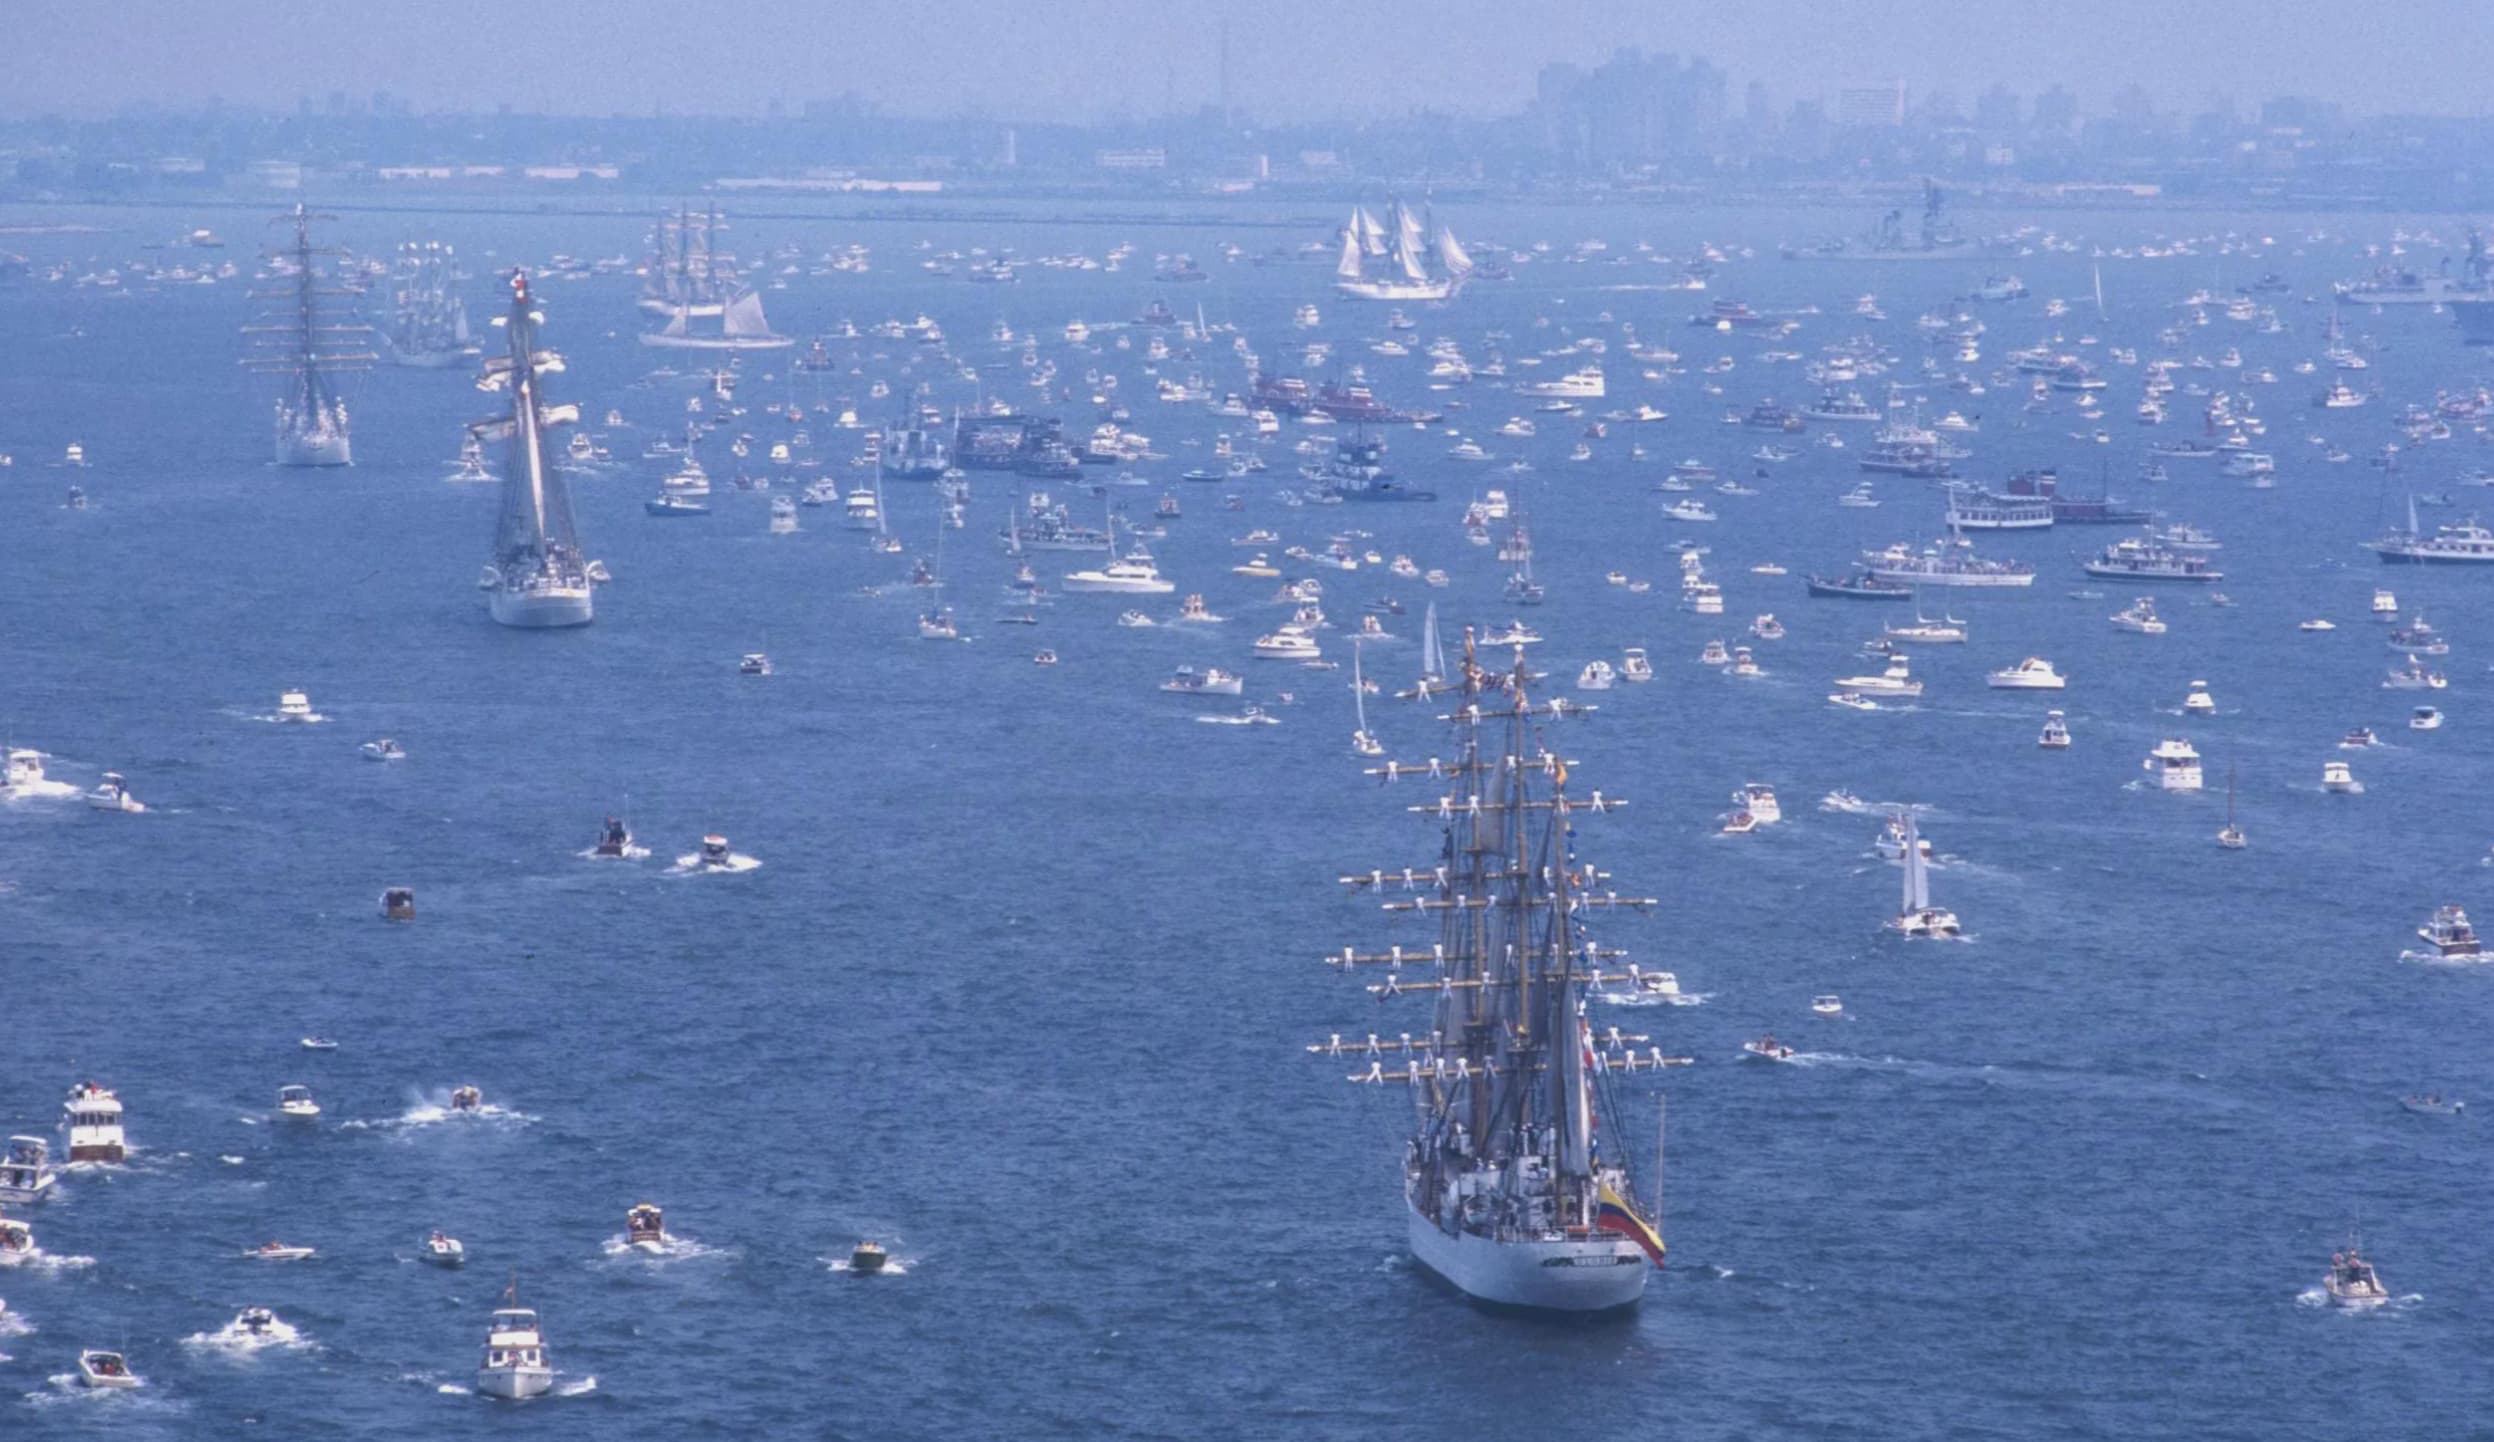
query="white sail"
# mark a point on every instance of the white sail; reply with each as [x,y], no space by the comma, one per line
[1451,255]
[1432,651]
[1917,881]
[744,316]
[676,321]
[1348,268]
[1407,246]
[1372,235]
[566,414]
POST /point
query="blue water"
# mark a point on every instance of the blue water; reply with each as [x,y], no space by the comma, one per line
[1022,984]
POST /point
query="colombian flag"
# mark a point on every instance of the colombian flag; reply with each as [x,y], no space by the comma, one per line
[1613,1215]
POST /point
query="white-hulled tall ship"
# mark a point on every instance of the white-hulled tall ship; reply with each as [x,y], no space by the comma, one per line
[1512,1194]
[686,271]
[430,327]
[538,578]
[306,333]
[1406,249]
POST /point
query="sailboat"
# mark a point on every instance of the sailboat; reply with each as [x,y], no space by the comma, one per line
[742,326]
[308,336]
[2232,837]
[1363,742]
[430,329]
[1407,252]
[936,622]
[680,275]
[706,308]
[1508,1196]
[1432,660]
[538,579]
[1918,917]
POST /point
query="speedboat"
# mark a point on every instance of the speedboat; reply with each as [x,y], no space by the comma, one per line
[108,1371]
[753,663]
[2338,778]
[2434,1105]
[2140,618]
[1851,701]
[1828,1005]
[1767,1048]
[1252,716]
[26,1175]
[2424,718]
[2056,733]
[296,706]
[515,1364]
[2316,624]
[1897,680]
[2352,1282]
[645,1228]
[2450,935]
[1654,983]
[2198,702]
[278,1252]
[866,1259]
[255,1322]
[113,794]
[2032,674]
[1739,823]
[384,749]
[443,1250]
[713,855]
[297,1101]
[1744,664]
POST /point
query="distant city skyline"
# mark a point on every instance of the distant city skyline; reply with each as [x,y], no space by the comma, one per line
[1090,60]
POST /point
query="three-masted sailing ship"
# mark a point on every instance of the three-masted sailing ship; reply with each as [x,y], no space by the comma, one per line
[696,288]
[538,578]
[430,326]
[1415,264]
[307,331]
[1518,1186]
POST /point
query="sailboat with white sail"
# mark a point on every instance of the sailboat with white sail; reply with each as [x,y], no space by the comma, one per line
[538,578]
[1432,660]
[1364,742]
[309,333]
[1417,260]
[1918,917]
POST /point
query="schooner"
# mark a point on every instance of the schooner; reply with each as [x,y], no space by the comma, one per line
[307,333]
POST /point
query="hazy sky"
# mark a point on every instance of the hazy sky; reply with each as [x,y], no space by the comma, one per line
[1087,58]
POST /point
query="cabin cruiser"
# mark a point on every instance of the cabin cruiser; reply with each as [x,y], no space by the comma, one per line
[1828,1004]
[645,1228]
[2032,674]
[515,1364]
[1597,675]
[106,1371]
[1290,643]
[2352,1282]
[1925,631]
[2175,764]
[2198,702]
[1134,575]
[1211,681]
[25,771]
[2140,618]
[296,706]
[2414,677]
[112,793]
[1897,680]
[2424,718]
[1634,666]
[2358,739]
[92,1117]
[26,1174]
[2385,605]
[714,855]
[384,749]
[2338,778]
[297,1101]
[2056,732]
[443,1250]
[1744,664]
[2450,935]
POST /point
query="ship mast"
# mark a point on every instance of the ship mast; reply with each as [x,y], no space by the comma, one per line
[300,336]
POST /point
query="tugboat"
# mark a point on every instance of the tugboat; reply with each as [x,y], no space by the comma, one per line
[645,1228]
[2352,1282]
[515,1364]
[2450,935]
[866,1259]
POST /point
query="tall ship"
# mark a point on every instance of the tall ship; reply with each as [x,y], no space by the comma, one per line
[429,329]
[307,331]
[685,270]
[538,578]
[1411,259]
[1518,1185]
[1356,471]
[738,325]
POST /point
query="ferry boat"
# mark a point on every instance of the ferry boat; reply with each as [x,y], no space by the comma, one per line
[2450,935]
[2174,764]
[26,1175]
[92,1118]
[2145,558]
[515,1365]
[2096,510]
[1971,508]
[1951,564]
[2056,733]
[2032,674]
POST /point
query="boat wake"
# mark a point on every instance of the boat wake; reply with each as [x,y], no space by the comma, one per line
[676,1248]
[43,1261]
[892,1266]
[435,1110]
[2315,1296]
[2454,963]
[44,790]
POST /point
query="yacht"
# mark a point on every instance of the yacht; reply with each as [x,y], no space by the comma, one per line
[1287,644]
[296,1101]
[2460,542]
[2140,618]
[2352,1282]
[2424,718]
[443,1250]
[1927,631]
[2198,702]
[1917,917]
[296,706]
[26,1175]
[2338,778]
[2450,935]
[92,1117]
[515,1364]
[2032,674]
[113,794]
[645,1228]
[106,1371]
[1827,1004]
[1135,575]
[2056,733]
[1634,666]
[2174,764]
[1896,680]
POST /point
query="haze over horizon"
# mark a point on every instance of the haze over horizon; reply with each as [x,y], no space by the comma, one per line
[1083,60]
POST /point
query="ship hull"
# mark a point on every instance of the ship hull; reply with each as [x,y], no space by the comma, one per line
[544,610]
[707,342]
[514,1385]
[1576,1278]
[1394,289]
[328,448]
[1955,578]
[2392,556]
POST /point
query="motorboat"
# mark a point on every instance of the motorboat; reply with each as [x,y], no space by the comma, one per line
[714,855]
[1896,680]
[1744,664]
[2434,1105]
[442,1250]
[1252,716]
[1851,701]
[672,504]
[26,1174]
[297,1101]
[1767,1048]
[515,1365]
[398,903]
[17,1242]
[645,1228]
[1654,983]
[2316,624]
[1634,666]
[754,663]
[106,1371]
[2424,718]
[467,1098]
[1739,823]
[2352,1282]
[1598,675]
[2056,733]
[2032,674]
[1133,575]
[1827,1005]
[2339,779]
[1289,643]
[2175,764]
[2450,935]
[2358,739]
[1767,628]
[319,1043]
[278,1252]
[615,841]
[2413,676]
[384,749]
[2140,618]
[92,1117]
[938,625]
[1715,653]
[2385,606]
[25,772]
[1211,681]
[866,1259]
[296,707]
[112,793]
[1918,918]
[1758,799]
[2197,701]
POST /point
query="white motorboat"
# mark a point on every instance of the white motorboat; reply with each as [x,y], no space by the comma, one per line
[296,706]
[1655,983]
[1897,680]
[2316,624]
[2424,718]
[2339,779]
[1134,575]
[2175,765]
[714,855]
[2056,733]
[384,749]
[2032,674]
[1851,701]
[443,1250]
[106,1371]
[2352,1282]
[1211,681]
[1252,716]
[1744,664]
[2197,701]
[1597,675]
[1758,799]
[1287,644]
[92,1118]
[645,1228]
[1918,918]
[515,1365]
[1739,823]
[112,793]
[17,1242]
[2413,676]
[1827,1005]
[2140,618]
[754,663]
[1767,1048]
[1715,653]
[297,1101]
[467,1099]
[1634,666]
[274,1251]
[1766,627]
[2385,606]
[26,1174]
[2451,936]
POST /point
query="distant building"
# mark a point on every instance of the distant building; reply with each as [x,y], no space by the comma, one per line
[276,174]
[1872,106]
[1140,158]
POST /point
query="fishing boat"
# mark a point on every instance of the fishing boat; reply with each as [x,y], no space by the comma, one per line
[2056,733]
[307,332]
[537,578]
[1506,1197]
[515,1365]
[615,841]
[1917,918]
